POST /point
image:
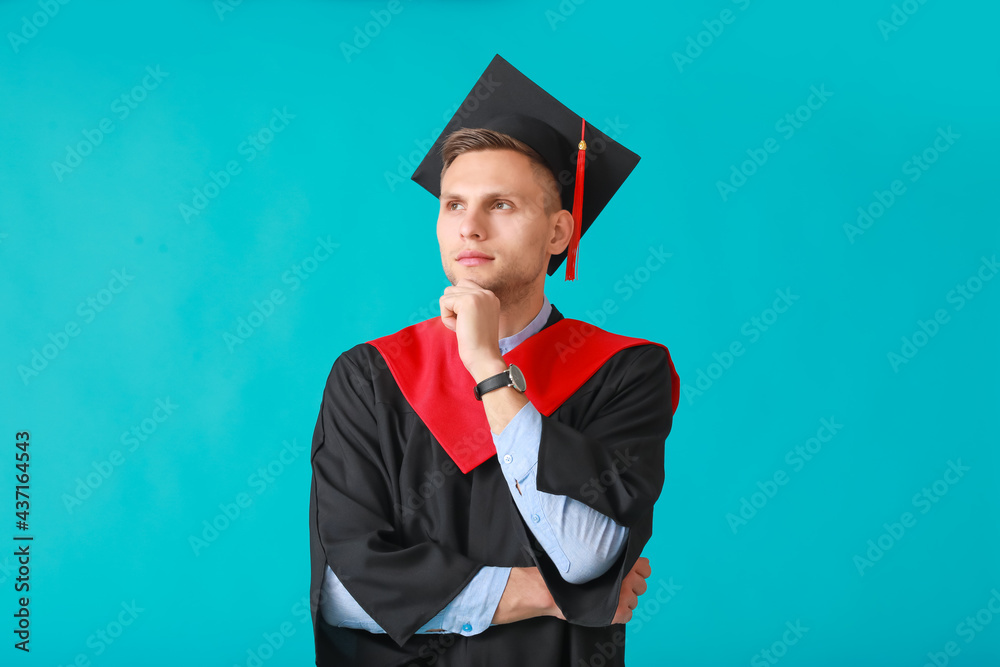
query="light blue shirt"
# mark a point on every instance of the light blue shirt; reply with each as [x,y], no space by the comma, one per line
[582,542]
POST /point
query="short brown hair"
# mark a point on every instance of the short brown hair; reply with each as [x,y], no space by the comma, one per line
[467,140]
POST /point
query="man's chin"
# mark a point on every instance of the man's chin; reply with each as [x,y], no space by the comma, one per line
[455,276]
[479,274]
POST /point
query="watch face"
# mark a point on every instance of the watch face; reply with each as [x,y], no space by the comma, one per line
[516,378]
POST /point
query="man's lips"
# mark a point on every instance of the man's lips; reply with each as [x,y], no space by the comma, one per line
[473,258]
[474,261]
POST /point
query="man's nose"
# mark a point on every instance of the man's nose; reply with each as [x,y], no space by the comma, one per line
[473,223]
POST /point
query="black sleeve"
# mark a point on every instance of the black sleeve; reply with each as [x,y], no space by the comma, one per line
[614,464]
[401,586]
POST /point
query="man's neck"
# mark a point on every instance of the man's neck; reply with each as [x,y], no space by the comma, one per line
[517,316]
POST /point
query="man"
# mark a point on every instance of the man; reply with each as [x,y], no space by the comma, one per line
[483,482]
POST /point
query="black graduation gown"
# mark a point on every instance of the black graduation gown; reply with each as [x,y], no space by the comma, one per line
[405,530]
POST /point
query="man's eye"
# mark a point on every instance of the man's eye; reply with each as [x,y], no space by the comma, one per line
[503,203]
[452,206]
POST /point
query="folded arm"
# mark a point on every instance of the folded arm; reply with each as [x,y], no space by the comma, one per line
[400,586]
[469,613]
[611,460]
[371,579]
[582,542]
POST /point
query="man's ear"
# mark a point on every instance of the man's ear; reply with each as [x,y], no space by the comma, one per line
[562,231]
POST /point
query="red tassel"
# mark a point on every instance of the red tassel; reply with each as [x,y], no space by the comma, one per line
[574,243]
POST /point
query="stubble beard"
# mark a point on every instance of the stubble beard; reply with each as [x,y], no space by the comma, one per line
[512,285]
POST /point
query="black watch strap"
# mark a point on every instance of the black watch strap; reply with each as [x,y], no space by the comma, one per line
[498,381]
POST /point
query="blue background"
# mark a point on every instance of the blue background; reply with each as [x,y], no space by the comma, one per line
[362,118]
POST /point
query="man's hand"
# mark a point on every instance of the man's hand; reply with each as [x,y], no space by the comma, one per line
[633,585]
[473,313]
[526,596]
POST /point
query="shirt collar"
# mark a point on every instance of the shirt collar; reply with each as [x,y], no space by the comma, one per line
[534,326]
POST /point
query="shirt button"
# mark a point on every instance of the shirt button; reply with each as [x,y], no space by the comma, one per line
[467,628]
[536,518]
[508,458]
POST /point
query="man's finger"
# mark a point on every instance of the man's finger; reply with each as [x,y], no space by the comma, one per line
[454,296]
[460,289]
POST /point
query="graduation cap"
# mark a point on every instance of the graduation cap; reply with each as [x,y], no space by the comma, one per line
[504,100]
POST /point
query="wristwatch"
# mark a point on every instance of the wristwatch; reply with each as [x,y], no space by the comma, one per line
[512,377]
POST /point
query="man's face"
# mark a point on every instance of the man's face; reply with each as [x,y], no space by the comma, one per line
[493,204]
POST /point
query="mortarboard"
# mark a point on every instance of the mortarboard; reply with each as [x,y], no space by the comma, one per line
[506,101]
